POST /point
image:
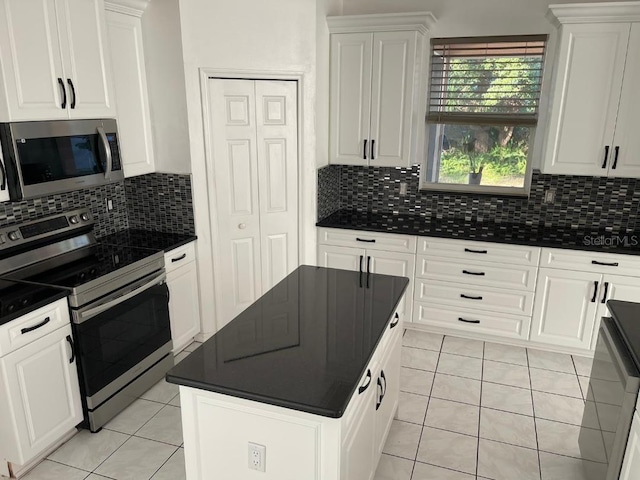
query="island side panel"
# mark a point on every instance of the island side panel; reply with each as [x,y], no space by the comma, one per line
[218,428]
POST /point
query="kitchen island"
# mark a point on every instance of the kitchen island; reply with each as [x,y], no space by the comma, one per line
[310,372]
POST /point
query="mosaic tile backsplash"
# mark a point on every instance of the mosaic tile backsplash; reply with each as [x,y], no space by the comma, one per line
[161,202]
[157,201]
[596,203]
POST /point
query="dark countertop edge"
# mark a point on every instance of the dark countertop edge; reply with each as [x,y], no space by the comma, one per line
[283,403]
[35,306]
[618,322]
[512,241]
[192,238]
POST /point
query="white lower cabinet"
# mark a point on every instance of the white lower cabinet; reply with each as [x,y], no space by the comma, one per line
[184,302]
[358,447]
[372,260]
[631,463]
[4,187]
[565,307]
[39,391]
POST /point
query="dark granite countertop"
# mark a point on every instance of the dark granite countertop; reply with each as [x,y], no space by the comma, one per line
[539,235]
[18,298]
[303,345]
[165,241]
[626,316]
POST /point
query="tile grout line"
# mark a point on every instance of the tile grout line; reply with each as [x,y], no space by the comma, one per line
[427,410]
[164,463]
[533,407]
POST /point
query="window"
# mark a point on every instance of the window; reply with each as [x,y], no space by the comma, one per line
[482,113]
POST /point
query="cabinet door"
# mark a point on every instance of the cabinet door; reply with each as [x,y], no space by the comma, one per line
[87,65]
[400,264]
[184,305]
[392,83]
[44,393]
[585,102]
[565,307]
[130,81]
[31,61]
[627,139]
[350,102]
[387,409]
[358,449]
[4,187]
[615,287]
[631,463]
[344,258]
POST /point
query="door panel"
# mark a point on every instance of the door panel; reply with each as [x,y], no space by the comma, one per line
[629,114]
[30,50]
[564,313]
[234,153]
[343,258]
[400,264]
[618,287]
[277,130]
[350,107]
[584,112]
[392,94]
[87,63]
[184,311]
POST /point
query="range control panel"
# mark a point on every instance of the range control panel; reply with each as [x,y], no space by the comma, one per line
[23,233]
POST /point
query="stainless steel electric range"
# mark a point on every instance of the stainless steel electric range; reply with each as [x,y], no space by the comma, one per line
[118,302]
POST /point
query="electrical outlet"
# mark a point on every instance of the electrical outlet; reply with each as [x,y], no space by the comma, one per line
[109,204]
[257,457]
[550,196]
[403,189]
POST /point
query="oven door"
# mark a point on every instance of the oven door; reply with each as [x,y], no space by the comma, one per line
[611,402]
[121,335]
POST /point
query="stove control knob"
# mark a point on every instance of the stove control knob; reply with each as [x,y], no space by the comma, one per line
[15,235]
[73,219]
[85,217]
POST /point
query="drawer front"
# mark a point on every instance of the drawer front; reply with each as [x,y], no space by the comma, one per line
[595,262]
[520,277]
[503,325]
[179,256]
[481,298]
[482,251]
[388,242]
[32,326]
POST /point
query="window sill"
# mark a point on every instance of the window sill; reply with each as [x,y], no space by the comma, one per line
[492,191]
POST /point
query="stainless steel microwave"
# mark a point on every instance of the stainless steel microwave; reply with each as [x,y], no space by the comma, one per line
[43,158]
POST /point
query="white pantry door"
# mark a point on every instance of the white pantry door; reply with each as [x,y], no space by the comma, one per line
[254,154]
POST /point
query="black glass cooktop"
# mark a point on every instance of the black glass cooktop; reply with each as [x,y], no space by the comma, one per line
[17,299]
[100,260]
[303,345]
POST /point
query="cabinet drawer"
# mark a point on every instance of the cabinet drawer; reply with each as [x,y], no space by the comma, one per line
[503,325]
[520,277]
[179,256]
[595,262]
[483,251]
[388,242]
[481,298]
[50,317]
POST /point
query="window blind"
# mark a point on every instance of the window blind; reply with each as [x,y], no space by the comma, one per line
[486,80]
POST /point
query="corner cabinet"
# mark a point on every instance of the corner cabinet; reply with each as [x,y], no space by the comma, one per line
[55,63]
[184,302]
[124,27]
[377,104]
[595,106]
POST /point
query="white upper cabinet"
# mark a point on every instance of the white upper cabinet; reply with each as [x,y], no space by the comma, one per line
[376,81]
[594,107]
[131,94]
[55,63]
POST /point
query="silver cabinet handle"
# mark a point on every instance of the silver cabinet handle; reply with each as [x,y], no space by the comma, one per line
[107,152]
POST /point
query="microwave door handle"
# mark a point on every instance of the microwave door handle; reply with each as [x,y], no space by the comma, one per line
[107,152]
[92,312]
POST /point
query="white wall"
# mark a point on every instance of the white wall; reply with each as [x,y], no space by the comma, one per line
[165,81]
[255,36]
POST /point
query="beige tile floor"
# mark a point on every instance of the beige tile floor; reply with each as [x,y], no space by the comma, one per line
[468,410]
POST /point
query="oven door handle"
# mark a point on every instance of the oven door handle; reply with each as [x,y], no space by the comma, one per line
[92,312]
[107,152]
